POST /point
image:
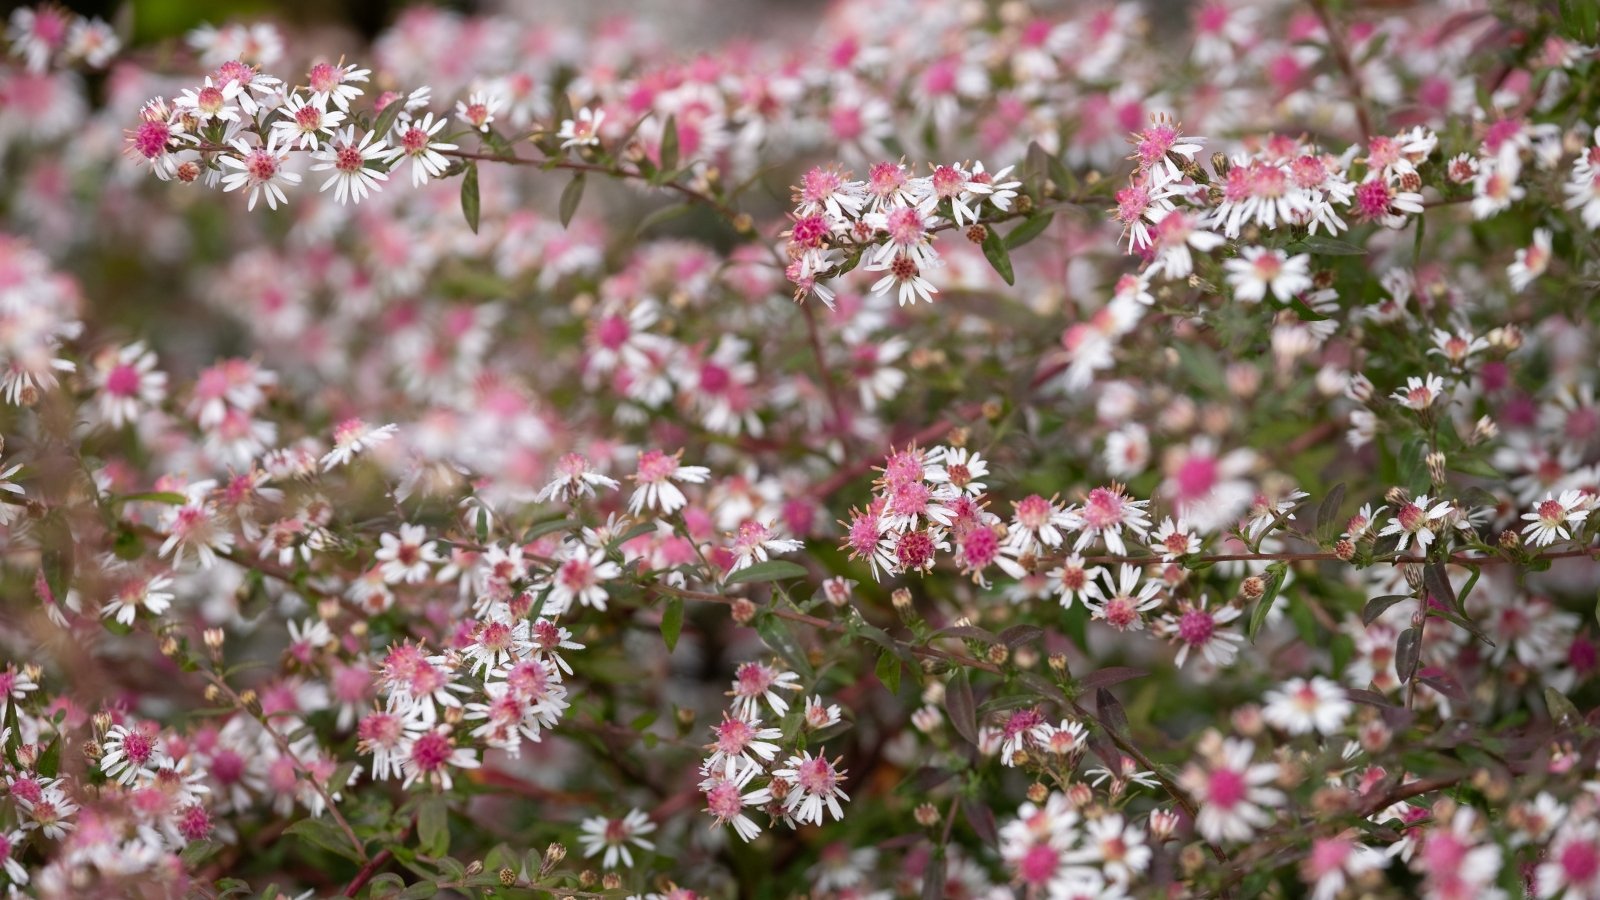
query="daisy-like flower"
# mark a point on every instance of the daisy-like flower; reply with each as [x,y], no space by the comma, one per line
[1161,148]
[754,540]
[1106,512]
[1231,790]
[726,798]
[15,685]
[304,123]
[1037,523]
[741,742]
[1198,628]
[149,594]
[10,842]
[1419,393]
[1173,539]
[654,479]
[575,479]
[1259,270]
[347,158]
[478,110]
[1531,261]
[614,835]
[1554,518]
[819,715]
[1334,861]
[813,786]
[904,279]
[1457,347]
[353,436]
[195,526]
[1302,706]
[211,101]
[1115,846]
[1024,730]
[1122,603]
[1072,581]
[335,84]
[8,510]
[36,34]
[1417,519]
[584,131]
[754,682]
[263,169]
[128,382]
[131,753]
[414,142]
[958,467]
[431,757]
[1571,867]
[580,577]
[408,557]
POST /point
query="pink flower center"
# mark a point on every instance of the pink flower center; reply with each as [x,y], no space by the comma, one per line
[348,159]
[1580,862]
[324,77]
[754,679]
[655,466]
[1120,612]
[1226,788]
[723,801]
[1196,626]
[123,381]
[1033,512]
[914,550]
[905,226]
[1372,199]
[431,751]
[261,165]
[1103,508]
[151,139]
[816,776]
[1038,865]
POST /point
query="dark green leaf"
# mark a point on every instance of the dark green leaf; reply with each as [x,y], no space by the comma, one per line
[1030,228]
[1017,635]
[323,833]
[669,144]
[664,214]
[1112,715]
[1275,576]
[981,818]
[1328,511]
[775,632]
[433,826]
[771,570]
[1323,245]
[888,671]
[672,622]
[418,891]
[550,527]
[1406,654]
[470,204]
[171,498]
[387,118]
[571,196]
[994,250]
[1377,605]
[1561,709]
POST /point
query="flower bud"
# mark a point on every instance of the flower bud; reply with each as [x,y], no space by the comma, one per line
[1253,588]
[508,877]
[1080,795]
[1510,540]
[1037,792]
[927,815]
[553,855]
[475,867]
[743,611]
[977,234]
[611,881]
[1163,822]
[1345,550]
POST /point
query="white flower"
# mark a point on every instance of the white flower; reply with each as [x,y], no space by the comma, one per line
[304,123]
[140,593]
[210,101]
[409,557]
[131,753]
[478,110]
[1231,791]
[813,785]
[614,835]
[1260,270]
[414,141]
[1302,706]
[1420,393]
[262,169]
[579,577]
[1416,519]
[1531,261]
[726,798]
[655,476]
[1552,518]
[352,436]
[583,131]
[351,179]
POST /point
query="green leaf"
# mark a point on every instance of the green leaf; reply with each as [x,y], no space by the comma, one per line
[771,570]
[550,527]
[1328,511]
[888,671]
[571,196]
[1112,715]
[387,118]
[1322,245]
[994,250]
[776,634]
[1561,709]
[433,826]
[669,144]
[1377,605]
[418,891]
[470,204]
[1275,576]
[50,760]
[1030,228]
[171,498]
[672,622]
[1406,654]
[664,214]
[324,834]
